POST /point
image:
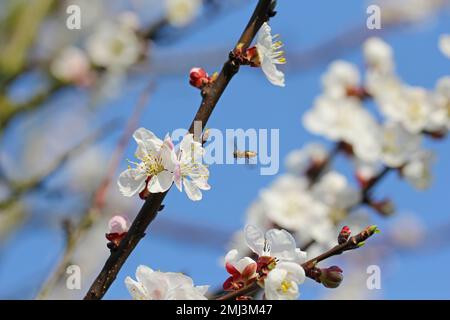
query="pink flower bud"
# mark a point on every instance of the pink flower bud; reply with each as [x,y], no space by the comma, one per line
[331,277]
[118,224]
[198,77]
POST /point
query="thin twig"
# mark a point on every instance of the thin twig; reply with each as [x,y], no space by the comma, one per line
[148,212]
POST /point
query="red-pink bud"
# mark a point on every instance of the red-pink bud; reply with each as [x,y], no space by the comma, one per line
[344,235]
[198,77]
[331,277]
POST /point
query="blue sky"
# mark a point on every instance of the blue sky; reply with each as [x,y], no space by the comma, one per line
[251,102]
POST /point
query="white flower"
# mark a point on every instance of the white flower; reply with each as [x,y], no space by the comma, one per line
[181,12]
[190,172]
[156,285]
[282,282]
[270,55]
[275,243]
[444,44]
[345,120]
[300,160]
[378,54]
[334,190]
[411,106]
[289,204]
[72,65]
[157,166]
[439,119]
[340,77]
[398,144]
[113,46]
[417,171]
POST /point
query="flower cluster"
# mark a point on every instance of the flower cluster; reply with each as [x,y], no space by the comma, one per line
[162,164]
[408,113]
[277,268]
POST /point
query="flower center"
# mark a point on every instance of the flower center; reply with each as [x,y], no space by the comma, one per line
[285,286]
[153,165]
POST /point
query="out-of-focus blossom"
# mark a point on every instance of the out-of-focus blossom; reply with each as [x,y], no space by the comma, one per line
[300,160]
[408,10]
[190,172]
[410,106]
[156,169]
[334,190]
[439,119]
[398,144]
[345,120]
[72,65]
[289,204]
[378,55]
[114,46]
[444,44]
[340,78]
[417,171]
[156,285]
[270,55]
[182,12]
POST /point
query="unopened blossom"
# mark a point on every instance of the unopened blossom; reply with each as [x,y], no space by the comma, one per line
[198,78]
[301,160]
[182,12]
[282,282]
[114,46]
[331,277]
[117,229]
[417,170]
[345,120]
[72,65]
[242,271]
[270,55]
[444,44]
[190,172]
[398,144]
[340,78]
[156,285]
[378,55]
[156,168]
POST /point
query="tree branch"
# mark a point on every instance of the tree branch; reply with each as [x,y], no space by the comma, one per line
[148,212]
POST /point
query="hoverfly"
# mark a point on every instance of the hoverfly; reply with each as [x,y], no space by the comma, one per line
[246,154]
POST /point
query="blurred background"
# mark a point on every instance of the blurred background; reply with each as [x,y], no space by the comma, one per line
[65,135]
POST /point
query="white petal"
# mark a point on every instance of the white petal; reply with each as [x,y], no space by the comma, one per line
[131,182]
[161,182]
[444,44]
[136,290]
[192,191]
[255,239]
[275,76]
[147,142]
[282,244]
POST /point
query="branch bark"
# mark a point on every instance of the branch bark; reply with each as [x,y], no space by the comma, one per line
[149,210]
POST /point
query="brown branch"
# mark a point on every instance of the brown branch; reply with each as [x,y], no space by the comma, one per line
[148,212]
[18,189]
[351,244]
[76,232]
